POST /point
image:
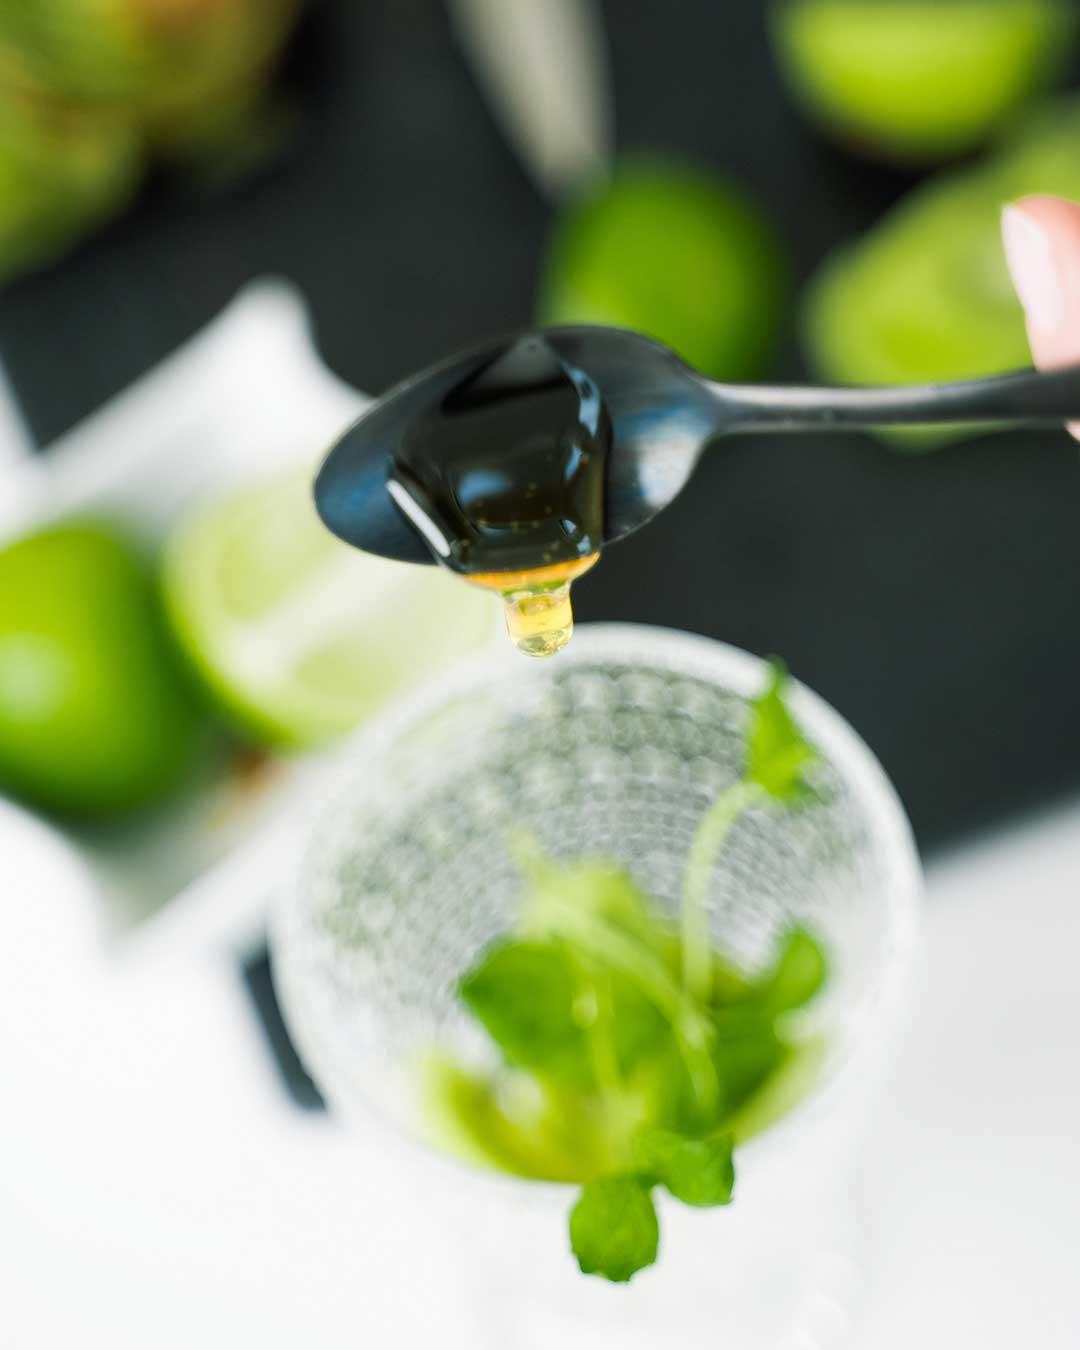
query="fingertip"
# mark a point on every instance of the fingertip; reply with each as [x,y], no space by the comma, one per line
[1041,235]
[1059,217]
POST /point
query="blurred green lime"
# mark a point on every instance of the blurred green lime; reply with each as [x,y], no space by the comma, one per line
[676,252]
[61,173]
[926,294]
[296,635]
[170,66]
[921,79]
[90,88]
[95,716]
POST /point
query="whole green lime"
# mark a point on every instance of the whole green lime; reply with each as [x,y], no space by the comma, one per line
[921,80]
[62,172]
[926,294]
[95,717]
[675,251]
[140,52]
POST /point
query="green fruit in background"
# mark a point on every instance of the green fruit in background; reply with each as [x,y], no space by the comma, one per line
[139,51]
[62,172]
[88,88]
[676,252]
[926,294]
[95,717]
[296,636]
[921,80]
[183,70]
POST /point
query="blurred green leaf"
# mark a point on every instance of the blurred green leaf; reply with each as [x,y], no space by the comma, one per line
[613,1228]
[525,995]
[643,1044]
[699,1172]
[799,973]
[777,752]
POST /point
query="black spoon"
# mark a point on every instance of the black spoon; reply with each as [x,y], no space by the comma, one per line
[663,415]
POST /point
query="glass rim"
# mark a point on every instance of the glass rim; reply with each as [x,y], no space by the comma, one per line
[722,665]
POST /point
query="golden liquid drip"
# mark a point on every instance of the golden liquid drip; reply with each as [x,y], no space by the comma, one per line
[539,618]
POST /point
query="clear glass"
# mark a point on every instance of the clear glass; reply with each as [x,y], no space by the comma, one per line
[616,747]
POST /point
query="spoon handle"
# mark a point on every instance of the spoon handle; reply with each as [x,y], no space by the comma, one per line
[1028,397]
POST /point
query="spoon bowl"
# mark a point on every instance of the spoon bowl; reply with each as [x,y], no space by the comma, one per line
[663,415]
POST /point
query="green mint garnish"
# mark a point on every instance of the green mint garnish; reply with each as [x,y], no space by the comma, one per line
[632,1049]
[797,976]
[613,1228]
[553,1008]
[778,755]
[777,758]
[528,997]
[699,1172]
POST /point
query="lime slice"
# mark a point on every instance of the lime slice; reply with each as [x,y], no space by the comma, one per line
[675,251]
[95,714]
[298,636]
[921,79]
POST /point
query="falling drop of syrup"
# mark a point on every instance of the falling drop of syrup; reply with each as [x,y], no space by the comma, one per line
[536,604]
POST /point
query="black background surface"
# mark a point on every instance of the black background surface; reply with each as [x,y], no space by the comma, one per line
[932,600]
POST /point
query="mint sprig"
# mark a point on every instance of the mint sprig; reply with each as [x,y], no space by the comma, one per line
[778,755]
[546,1005]
[614,1231]
[777,759]
[639,1042]
[699,1172]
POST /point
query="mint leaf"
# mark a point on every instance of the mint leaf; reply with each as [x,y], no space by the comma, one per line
[798,974]
[526,994]
[480,1119]
[745,1057]
[637,1027]
[729,985]
[777,757]
[563,1016]
[615,936]
[777,753]
[698,1172]
[613,1228]
[593,886]
[668,1095]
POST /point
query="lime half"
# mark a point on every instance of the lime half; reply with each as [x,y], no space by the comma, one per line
[298,636]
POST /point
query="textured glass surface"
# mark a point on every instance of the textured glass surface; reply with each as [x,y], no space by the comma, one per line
[615,748]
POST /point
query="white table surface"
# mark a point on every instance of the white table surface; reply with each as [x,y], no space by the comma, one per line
[158,1190]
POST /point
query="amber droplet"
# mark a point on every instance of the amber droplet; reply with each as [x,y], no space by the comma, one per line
[539,616]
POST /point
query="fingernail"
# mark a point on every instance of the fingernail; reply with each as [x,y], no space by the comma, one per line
[1034,267]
